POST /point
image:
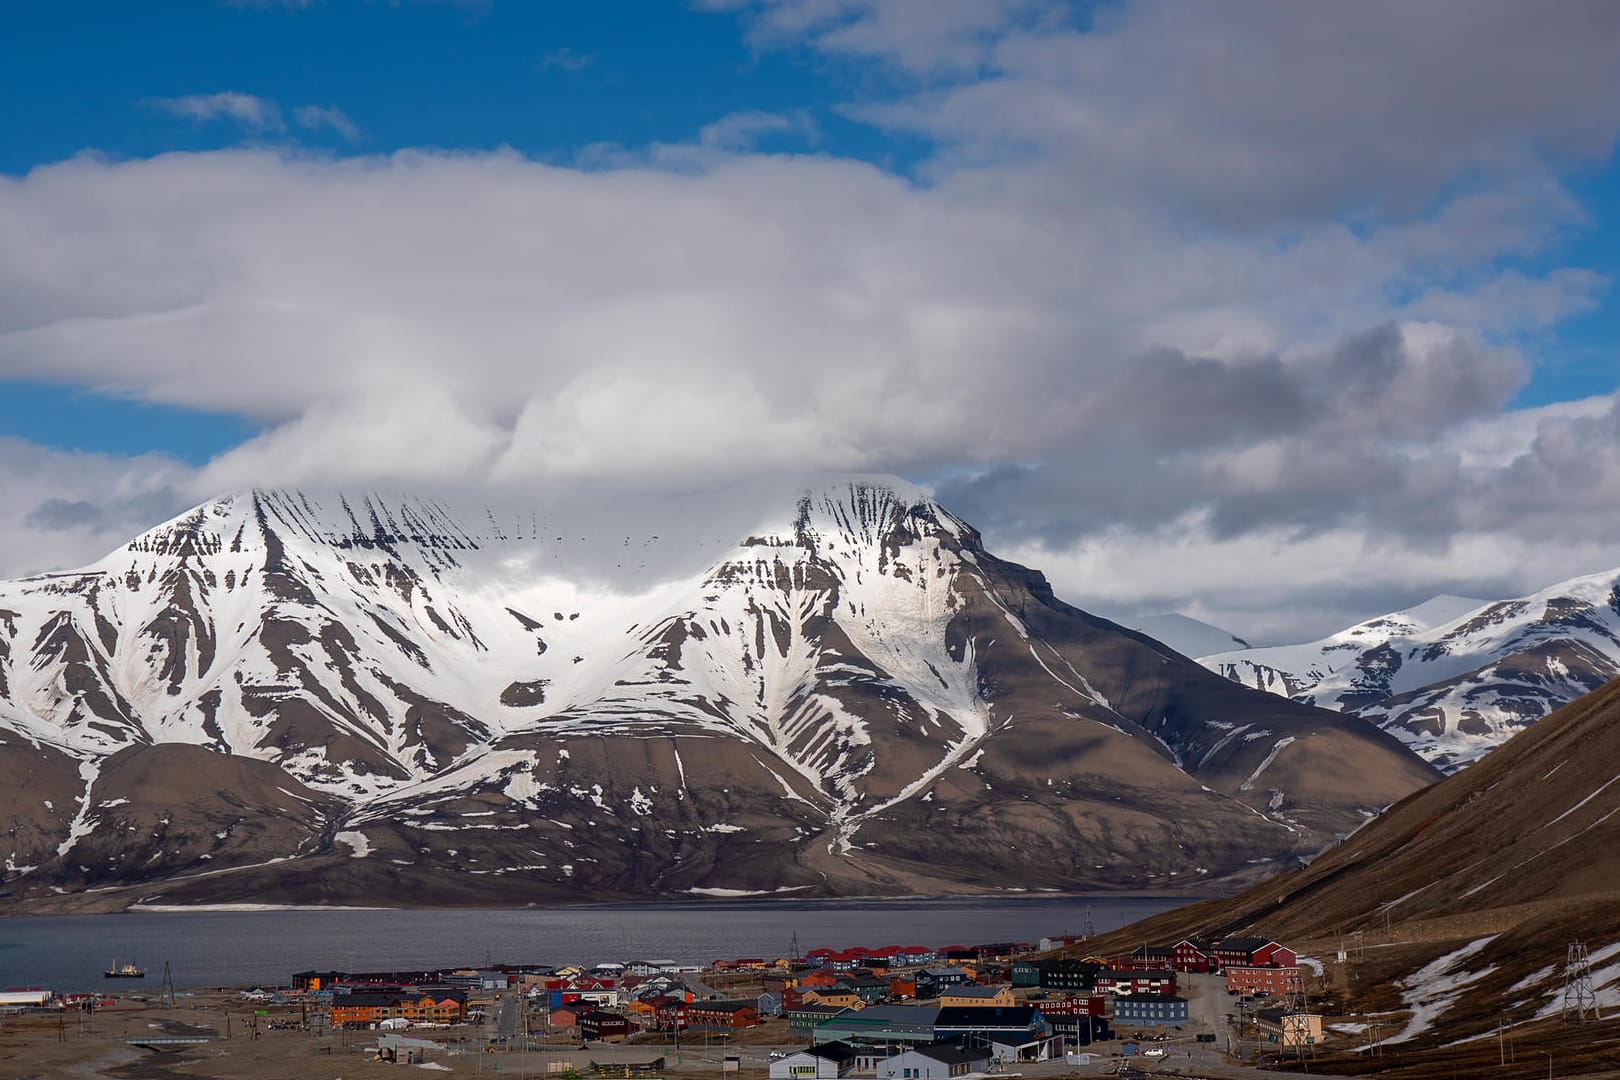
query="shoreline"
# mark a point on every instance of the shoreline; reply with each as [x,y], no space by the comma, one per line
[695,902]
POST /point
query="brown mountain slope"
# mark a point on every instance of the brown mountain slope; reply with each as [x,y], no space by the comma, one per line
[1513,858]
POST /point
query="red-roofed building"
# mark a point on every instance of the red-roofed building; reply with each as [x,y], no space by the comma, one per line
[1190,954]
[1135,981]
[1274,955]
[1073,1006]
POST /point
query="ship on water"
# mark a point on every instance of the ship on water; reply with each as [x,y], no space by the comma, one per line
[123,971]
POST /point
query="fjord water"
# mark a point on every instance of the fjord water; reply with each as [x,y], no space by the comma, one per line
[246,948]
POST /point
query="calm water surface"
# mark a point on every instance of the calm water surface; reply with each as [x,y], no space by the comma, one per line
[209,948]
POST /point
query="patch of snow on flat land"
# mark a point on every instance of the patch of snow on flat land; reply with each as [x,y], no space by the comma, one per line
[359,846]
[1436,986]
[1311,962]
[723,893]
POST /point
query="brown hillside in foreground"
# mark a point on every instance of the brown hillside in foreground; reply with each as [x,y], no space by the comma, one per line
[1524,846]
[1538,820]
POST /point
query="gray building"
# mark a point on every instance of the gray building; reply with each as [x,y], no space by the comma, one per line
[888,1025]
[934,1061]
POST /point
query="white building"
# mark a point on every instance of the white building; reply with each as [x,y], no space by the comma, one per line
[829,1061]
[24,999]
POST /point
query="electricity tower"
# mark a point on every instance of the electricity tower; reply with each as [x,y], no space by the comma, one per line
[1579,996]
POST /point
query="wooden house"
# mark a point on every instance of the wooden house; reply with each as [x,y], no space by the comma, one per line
[722,1015]
[971,996]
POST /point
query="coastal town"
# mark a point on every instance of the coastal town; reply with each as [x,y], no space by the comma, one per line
[894,1012]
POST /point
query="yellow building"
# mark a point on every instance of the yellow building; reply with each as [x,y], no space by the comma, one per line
[1289,1029]
[837,997]
[976,997]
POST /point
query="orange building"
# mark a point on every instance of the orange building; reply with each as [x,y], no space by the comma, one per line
[361,1010]
[1261,980]
[971,996]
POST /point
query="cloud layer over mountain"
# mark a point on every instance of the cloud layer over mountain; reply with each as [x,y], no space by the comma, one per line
[1188,282]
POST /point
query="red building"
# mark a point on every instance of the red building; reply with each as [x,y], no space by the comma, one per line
[1073,1006]
[1239,951]
[1144,957]
[1275,955]
[1190,954]
[598,1024]
[1135,981]
[1261,980]
[722,1015]
[671,1014]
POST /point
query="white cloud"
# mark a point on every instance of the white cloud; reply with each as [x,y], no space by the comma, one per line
[566,59]
[1201,284]
[327,117]
[923,37]
[245,109]
[1273,586]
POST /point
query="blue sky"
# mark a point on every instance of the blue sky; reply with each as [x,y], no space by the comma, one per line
[547,80]
[1305,285]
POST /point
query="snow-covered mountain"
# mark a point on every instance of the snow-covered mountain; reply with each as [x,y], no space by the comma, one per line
[281,694]
[1453,677]
[1187,635]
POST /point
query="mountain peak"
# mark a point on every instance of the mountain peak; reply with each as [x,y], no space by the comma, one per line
[1453,677]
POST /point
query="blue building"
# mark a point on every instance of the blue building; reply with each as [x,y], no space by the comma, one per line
[1150,1010]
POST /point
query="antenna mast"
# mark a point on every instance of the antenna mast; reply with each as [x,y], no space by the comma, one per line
[166,991]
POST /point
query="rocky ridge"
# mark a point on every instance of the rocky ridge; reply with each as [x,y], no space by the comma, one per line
[288,697]
[1453,678]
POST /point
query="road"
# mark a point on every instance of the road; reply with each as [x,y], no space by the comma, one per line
[511,1005]
[1208,1005]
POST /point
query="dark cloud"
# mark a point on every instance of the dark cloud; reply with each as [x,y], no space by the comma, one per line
[1265,111]
[56,515]
[1321,439]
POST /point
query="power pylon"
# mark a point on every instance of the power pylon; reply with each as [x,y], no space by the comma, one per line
[1580,999]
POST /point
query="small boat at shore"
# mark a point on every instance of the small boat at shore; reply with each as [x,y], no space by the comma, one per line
[123,971]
